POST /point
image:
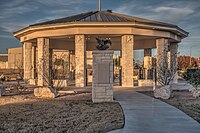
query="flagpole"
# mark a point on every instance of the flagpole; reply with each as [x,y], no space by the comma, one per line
[99,5]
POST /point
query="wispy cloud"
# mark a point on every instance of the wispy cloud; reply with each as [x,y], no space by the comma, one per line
[6,36]
[170,11]
[65,2]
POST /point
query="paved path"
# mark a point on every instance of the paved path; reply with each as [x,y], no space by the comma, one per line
[144,114]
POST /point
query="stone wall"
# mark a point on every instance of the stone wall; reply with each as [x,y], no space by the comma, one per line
[3,65]
[15,57]
[145,82]
[127,60]
[102,85]
[27,51]
[80,57]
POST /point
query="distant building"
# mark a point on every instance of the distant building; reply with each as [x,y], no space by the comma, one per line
[15,58]
[3,61]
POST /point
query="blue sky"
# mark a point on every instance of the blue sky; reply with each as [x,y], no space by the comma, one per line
[17,14]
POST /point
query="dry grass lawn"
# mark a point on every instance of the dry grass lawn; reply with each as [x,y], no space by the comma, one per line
[70,114]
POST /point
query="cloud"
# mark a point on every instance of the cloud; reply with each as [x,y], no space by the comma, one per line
[12,3]
[171,14]
[9,13]
[12,27]
[6,36]
[170,11]
[62,2]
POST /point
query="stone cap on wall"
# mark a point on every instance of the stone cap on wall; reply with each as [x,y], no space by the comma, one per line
[102,52]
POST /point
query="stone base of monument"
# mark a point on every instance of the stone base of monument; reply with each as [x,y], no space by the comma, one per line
[102,81]
[164,92]
[44,92]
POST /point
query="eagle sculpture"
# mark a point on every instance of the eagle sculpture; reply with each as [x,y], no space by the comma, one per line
[103,44]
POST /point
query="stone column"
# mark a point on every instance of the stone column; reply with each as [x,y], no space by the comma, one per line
[68,62]
[27,49]
[33,62]
[43,61]
[80,57]
[147,61]
[32,81]
[161,56]
[173,60]
[50,64]
[127,60]
[102,84]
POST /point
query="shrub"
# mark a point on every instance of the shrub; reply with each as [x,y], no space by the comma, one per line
[193,77]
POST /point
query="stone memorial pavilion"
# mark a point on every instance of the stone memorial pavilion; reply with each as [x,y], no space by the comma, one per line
[77,34]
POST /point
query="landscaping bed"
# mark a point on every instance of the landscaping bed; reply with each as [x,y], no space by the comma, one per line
[184,101]
[71,114]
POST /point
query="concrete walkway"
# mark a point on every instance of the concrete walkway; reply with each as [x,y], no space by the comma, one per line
[144,114]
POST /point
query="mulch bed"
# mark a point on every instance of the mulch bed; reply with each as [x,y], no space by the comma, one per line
[70,114]
[184,101]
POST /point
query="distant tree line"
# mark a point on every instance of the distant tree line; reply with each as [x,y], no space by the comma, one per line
[184,62]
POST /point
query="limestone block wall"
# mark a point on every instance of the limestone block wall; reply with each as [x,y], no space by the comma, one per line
[127,60]
[173,60]
[27,50]
[147,58]
[15,57]
[80,57]
[43,61]
[89,66]
[145,82]
[33,75]
[3,65]
[102,84]
[162,57]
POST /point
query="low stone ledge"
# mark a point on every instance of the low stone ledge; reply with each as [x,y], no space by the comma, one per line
[32,81]
[60,83]
[44,92]
[145,82]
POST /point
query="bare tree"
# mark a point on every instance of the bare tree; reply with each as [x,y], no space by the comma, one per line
[166,68]
[166,71]
[57,73]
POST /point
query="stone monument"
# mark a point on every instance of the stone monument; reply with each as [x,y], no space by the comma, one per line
[102,84]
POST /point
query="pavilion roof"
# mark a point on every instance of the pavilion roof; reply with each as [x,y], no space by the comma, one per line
[103,16]
[106,17]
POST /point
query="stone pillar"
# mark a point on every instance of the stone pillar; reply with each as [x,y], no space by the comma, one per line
[43,61]
[102,84]
[33,62]
[127,60]
[32,81]
[68,63]
[50,64]
[27,49]
[80,57]
[161,56]
[173,60]
[147,61]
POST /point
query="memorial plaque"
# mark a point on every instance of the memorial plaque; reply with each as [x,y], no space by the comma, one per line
[103,72]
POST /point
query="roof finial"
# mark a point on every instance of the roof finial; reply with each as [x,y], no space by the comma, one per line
[99,5]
